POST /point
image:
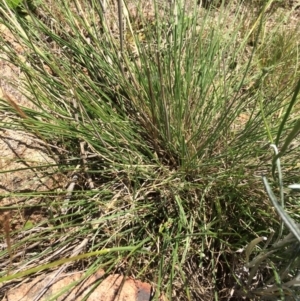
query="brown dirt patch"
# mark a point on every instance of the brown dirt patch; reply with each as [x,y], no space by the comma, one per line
[114,287]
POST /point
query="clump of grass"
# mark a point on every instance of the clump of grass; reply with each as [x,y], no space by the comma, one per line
[164,131]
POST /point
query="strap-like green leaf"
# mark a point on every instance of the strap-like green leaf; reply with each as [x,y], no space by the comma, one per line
[289,222]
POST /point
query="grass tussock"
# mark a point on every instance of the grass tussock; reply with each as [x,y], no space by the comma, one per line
[161,116]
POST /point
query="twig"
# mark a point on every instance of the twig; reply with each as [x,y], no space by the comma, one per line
[69,194]
[6,230]
[85,166]
[120,17]
[77,250]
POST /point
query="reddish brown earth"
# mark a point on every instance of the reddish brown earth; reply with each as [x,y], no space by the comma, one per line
[113,287]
